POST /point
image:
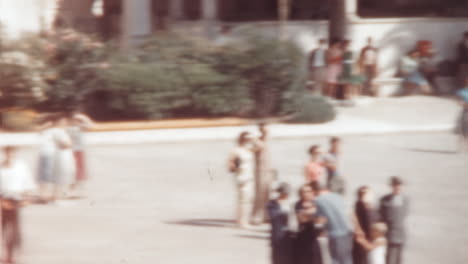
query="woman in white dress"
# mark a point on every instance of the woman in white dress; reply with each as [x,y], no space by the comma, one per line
[64,162]
[242,165]
[377,247]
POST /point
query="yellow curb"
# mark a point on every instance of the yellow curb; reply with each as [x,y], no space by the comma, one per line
[168,124]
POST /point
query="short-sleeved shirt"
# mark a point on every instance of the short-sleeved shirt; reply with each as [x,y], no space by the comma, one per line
[314,171]
[332,206]
[15,180]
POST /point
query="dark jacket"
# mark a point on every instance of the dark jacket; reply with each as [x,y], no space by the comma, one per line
[394,216]
[280,235]
[306,245]
[462,53]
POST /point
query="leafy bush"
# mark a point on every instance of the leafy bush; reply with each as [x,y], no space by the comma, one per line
[312,109]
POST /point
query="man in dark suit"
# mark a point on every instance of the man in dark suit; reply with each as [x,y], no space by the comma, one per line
[394,209]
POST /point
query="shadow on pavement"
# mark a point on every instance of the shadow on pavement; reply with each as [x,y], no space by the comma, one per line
[225,223]
[434,151]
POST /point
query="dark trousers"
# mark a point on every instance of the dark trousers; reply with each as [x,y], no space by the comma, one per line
[10,221]
[341,249]
[394,253]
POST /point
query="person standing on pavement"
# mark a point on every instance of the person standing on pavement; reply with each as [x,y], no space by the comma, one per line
[462,122]
[15,182]
[318,66]
[368,63]
[263,176]
[339,225]
[64,162]
[366,215]
[394,209]
[47,149]
[78,124]
[279,211]
[306,244]
[314,170]
[335,181]
[242,164]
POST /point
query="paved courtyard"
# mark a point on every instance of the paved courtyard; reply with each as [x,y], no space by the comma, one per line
[173,203]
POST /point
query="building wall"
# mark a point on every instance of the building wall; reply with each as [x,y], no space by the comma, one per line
[22,16]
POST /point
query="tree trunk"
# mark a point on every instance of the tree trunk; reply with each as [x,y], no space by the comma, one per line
[210,17]
[283,15]
[338,20]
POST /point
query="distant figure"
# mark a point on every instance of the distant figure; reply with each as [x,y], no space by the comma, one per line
[413,78]
[339,226]
[351,82]
[306,246]
[15,182]
[242,164]
[462,122]
[394,209]
[335,181]
[366,215]
[368,62]
[318,66]
[428,67]
[334,68]
[314,170]
[376,245]
[462,59]
[263,176]
[78,123]
[278,211]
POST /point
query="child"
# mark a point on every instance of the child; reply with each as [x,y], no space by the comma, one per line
[377,247]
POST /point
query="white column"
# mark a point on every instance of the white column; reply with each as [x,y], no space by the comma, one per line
[136,22]
[176,9]
[351,7]
[209,13]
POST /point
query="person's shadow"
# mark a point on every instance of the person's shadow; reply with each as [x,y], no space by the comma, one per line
[433,151]
[223,223]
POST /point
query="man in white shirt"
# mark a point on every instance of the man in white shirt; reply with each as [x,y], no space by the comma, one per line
[318,66]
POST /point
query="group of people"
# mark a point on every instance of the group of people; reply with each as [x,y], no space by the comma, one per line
[333,67]
[61,169]
[371,234]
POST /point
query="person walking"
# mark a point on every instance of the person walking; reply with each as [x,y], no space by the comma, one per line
[335,181]
[368,63]
[242,164]
[78,124]
[366,215]
[413,78]
[314,170]
[15,182]
[64,162]
[278,211]
[318,66]
[351,82]
[338,226]
[462,122]
[306,245]
[263,176]
[394,209]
